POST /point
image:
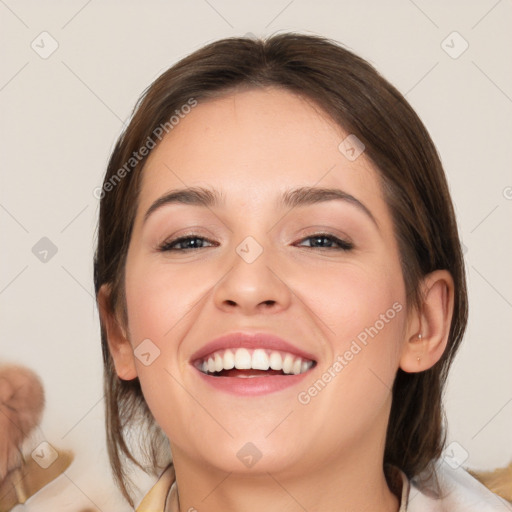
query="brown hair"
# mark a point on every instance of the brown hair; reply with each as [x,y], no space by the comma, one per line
[363,103]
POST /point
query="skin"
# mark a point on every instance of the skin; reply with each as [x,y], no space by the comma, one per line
[327,454]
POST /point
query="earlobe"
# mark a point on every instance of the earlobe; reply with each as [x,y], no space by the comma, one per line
[118,342]
[429,328]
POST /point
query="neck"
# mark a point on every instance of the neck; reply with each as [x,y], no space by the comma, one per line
[354,484]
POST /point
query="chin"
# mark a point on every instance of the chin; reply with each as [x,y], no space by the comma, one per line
[248,454]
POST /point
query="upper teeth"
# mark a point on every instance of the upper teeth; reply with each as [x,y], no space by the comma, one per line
[257,359]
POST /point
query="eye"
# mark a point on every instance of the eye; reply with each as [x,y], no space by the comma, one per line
[325,241]
[317,241]
[184,243]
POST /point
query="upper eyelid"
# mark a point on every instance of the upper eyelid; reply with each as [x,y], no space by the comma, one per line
[318,230]
[301,237]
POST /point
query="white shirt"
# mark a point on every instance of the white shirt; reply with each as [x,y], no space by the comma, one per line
[456,491]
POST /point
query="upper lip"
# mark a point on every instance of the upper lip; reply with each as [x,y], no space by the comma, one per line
[251,340]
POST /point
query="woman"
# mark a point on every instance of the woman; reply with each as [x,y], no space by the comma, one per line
[281,287]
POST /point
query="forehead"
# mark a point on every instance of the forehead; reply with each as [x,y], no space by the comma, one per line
[255,144]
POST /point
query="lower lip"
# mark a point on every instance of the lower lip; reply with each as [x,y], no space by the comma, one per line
[252,386]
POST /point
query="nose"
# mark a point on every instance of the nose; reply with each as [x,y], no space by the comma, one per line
[253,286]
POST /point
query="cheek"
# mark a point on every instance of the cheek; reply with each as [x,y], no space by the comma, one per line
[363,313]
[357,303]
[158,298]
[158,302]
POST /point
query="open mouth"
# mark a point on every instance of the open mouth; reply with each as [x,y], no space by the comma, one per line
[249,363]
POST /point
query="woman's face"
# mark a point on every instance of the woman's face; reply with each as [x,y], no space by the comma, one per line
[321,272]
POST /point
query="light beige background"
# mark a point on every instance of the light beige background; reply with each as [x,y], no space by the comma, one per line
[60,116]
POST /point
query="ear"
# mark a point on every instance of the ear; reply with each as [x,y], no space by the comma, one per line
[118,342]
[429,327]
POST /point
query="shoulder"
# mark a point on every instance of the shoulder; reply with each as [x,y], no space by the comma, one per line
[452,490]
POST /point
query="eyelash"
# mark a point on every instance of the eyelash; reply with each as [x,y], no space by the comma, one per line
[343,244]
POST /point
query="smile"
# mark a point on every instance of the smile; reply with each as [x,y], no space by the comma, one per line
[250,363]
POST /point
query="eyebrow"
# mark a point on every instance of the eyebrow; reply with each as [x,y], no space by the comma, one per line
[297,197]
[196,196]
